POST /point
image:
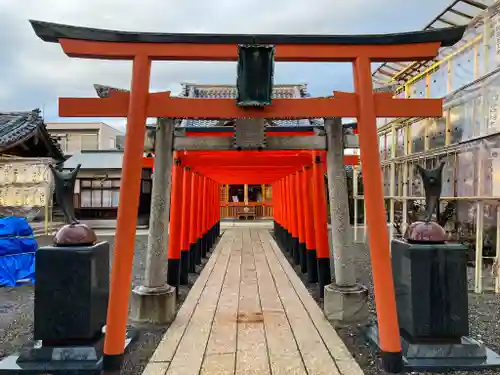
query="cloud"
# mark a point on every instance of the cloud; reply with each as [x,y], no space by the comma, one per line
[34,73]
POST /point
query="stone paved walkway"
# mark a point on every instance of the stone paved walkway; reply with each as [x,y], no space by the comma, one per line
[249,313]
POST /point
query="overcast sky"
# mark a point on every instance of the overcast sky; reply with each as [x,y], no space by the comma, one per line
[33,74]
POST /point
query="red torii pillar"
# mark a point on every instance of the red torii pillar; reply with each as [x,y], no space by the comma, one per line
[121,271]
[312,269]
[185,235]
[217,211]
[203,214]
[197,218]
[321,223]
[176,216]
[193,233]
[277,222]
[293,243]
[211,221]
[284,213]
[301,225]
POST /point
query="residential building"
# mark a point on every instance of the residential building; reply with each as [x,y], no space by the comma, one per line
[84,136]
[97,187]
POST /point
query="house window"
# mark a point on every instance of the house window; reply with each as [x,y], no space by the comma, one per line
[90,142]
[99,193]
[73,142]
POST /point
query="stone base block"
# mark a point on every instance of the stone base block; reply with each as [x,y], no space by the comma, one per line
[466,355]
[78,359]
[345,306]
[153,305]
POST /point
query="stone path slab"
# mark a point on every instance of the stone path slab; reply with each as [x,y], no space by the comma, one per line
[247,314]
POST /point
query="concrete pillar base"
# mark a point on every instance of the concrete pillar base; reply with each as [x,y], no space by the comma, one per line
[153,305]
[345,306]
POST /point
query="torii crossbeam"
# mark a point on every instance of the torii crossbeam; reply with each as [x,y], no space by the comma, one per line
[364,104]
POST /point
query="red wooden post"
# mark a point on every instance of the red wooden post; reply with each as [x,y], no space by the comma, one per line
[276,219]
[385,299]
[193,234]
[290,210]
[218,211]
[203,213]
[174,243]
[217,188]
[281,227]
[185,235]
[321,223]
[312,269]
[301,222]
[121,270]
[294,200]
[211,209]
[284,207]
[199,212]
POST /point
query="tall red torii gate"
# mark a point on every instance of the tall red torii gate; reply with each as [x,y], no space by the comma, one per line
[364,104]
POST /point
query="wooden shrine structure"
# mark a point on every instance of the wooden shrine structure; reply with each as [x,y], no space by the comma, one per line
[286,162]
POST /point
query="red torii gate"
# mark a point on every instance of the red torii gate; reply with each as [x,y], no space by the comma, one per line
[139,104]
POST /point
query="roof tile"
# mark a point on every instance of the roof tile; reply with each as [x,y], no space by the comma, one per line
[16,127]
[230,92]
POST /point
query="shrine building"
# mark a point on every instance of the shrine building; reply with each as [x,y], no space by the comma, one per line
[247,201]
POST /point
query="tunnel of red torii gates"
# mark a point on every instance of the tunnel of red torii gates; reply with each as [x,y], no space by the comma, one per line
[285,162]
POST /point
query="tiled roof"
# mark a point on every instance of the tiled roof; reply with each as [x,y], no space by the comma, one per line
[19,127]
[230,92]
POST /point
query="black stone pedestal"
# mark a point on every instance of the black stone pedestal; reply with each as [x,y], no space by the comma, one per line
[71,301]
[36,358]
[430,282]
[465,355]
[71,292]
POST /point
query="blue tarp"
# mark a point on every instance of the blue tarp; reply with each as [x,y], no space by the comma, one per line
[17,267]
[15,226]
[17,251]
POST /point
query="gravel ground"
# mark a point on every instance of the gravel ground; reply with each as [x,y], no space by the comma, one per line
[484,318]
[16,315]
